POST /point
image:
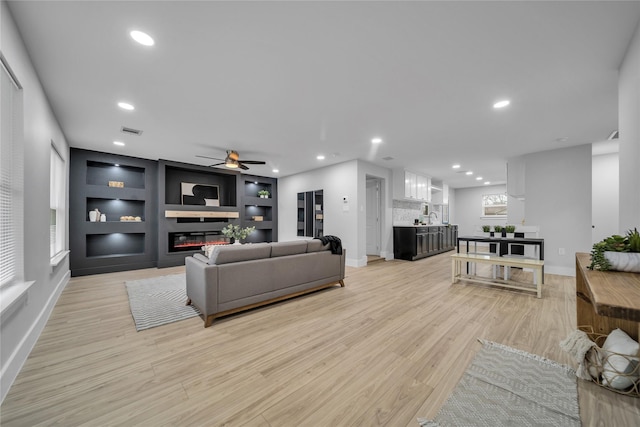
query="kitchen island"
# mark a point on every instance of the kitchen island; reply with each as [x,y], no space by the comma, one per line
[414,242]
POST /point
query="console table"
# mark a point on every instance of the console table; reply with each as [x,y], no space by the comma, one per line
[504,245]
[607,300]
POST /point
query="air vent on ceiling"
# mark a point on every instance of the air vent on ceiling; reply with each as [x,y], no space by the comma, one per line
[131,131]
[387,158]
[614,135]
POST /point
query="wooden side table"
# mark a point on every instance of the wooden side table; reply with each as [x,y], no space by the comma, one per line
[607,300]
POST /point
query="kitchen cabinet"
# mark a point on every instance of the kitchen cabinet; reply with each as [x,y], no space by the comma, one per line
[516,177]
[411,186]
[415,242]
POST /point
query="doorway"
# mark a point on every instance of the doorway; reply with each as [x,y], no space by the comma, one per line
[374,223]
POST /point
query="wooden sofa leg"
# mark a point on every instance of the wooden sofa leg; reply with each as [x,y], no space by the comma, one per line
[188,301]
[208,321]
[342,283]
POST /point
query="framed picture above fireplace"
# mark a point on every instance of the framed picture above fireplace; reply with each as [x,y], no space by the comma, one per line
[200,194]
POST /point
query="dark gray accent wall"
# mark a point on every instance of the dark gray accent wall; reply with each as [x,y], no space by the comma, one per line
[114,245]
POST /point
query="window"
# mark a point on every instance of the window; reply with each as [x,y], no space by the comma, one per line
[57,185]
[494,205]
[11,184]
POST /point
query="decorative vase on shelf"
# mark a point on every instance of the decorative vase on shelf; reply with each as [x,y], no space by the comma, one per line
[93,215]
[103,218]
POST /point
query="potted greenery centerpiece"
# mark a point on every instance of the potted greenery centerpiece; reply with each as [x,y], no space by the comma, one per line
[497,231]
[264,194]
[511,231]
[621,253]
[486,230]
[237,233]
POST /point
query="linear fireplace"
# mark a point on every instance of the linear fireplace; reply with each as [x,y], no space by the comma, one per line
[190,241]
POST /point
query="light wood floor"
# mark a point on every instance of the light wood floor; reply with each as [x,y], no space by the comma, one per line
[384,350]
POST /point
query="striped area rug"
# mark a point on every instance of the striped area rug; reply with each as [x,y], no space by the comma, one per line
[508,387]
[159,300]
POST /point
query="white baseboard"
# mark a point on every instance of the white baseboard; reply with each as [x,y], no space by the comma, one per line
[562,271]
[17,359]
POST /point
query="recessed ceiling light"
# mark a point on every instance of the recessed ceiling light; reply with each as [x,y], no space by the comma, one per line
[456,166]
[468,173]
[126,106]
[118,143]
[487,183]
[117,165]
[142,38]
[501,104]
[376,140]
[478,178]
[320,157]
[275,171]
[563,139]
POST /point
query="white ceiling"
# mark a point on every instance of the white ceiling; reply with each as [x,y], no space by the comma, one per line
[285,81]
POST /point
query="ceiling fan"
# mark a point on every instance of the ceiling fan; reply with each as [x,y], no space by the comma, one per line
[233,161]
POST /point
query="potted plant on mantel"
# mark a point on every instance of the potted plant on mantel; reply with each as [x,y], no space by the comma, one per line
[264,194]
[620,253]
[497,231]
[511,231]
[237,233]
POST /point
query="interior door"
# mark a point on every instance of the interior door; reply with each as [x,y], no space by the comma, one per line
[373,217]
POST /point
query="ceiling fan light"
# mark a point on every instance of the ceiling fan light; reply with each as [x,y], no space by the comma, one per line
[231,163]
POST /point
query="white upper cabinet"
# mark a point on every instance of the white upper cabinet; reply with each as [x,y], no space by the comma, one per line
[515,177]
[411,186]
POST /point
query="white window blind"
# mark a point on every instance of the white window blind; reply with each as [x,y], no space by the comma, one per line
[57,184]
[11,180]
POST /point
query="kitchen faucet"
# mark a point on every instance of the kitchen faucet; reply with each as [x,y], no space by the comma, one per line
[432,213]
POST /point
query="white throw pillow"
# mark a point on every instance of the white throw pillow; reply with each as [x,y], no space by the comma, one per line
[616,367]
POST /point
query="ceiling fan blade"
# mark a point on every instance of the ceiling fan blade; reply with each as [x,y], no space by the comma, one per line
[207,157]
[216,164]
[253,162]
[243,167]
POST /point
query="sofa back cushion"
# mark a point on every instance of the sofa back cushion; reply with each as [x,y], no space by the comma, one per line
[315,245]
[235,253]
[288,248]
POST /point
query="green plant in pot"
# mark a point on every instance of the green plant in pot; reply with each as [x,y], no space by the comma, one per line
[236,232]
[264,193]
[486,228]
[498,230]
[510,228]
[621,253]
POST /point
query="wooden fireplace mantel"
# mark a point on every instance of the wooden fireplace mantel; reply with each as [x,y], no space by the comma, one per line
[200,214]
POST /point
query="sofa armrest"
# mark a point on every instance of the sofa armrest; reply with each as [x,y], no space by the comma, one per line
[202,285]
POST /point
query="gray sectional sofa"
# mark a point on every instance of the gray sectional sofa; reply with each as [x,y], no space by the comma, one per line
[238,277]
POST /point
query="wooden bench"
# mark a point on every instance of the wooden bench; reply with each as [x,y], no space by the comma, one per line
[536,265]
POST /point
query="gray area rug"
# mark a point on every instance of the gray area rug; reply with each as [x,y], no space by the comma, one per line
[159,300]
[508,387]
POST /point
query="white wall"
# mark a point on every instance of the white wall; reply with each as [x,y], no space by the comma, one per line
[20,328]
[605,196]
[467,208]
[345,220]
[558,199]
[629,128]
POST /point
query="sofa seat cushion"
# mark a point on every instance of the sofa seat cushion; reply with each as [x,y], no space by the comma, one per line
[288,248]
[236,253]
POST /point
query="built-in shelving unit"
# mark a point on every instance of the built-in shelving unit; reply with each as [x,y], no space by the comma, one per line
[184,228]
[311,214]
[123,189]
[158,212]
[259,212]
